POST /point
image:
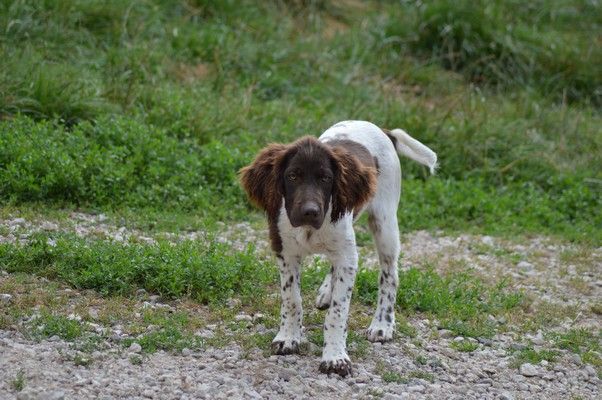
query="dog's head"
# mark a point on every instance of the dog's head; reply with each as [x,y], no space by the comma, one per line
[309,175]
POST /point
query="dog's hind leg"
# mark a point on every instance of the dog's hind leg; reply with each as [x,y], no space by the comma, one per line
[325,293]
[386,235]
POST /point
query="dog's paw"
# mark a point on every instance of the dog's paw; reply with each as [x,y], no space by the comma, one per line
[380,333]
[284,347]
[323,301]
[324,294]
[341,366]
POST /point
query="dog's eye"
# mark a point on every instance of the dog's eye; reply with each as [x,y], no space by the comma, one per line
[292,176]
[326,178]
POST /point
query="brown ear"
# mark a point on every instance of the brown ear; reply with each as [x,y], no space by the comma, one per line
[261,179]
[354,183]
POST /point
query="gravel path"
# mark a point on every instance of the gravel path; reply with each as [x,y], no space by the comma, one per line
[430,368]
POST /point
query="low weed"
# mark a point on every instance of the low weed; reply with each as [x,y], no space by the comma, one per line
[114,162]
[18,382]
[465,346]
[532,356]
[578,340]
[390,376]
[460,300]
[171,338]
[48,325]
[405,329]
[394,377]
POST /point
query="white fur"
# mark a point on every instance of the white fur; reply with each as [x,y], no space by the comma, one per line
[337,242]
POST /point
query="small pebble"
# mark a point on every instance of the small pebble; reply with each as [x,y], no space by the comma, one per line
[135,347]
[528,370]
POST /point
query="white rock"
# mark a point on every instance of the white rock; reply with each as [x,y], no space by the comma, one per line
[576,359]
[538,339]
[527,369]
[401,396]
[135,347]
[17,221]
[416,388]
[243,317]
[506,396]
[93,313]
[445,333]
[6,298]
[488,240]
[49,226]
[525,266]
[252,394]
[591,371]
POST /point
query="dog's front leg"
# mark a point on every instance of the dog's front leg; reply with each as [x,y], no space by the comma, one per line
[291,311]
[334,355]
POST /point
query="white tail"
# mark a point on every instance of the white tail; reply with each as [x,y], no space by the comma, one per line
[412,148]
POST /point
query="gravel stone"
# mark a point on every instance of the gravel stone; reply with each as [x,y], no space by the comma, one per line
[6,298]
[231,372]
[135,348]
[528,370]
[506,396]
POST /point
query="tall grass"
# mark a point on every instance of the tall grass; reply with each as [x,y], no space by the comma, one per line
[151,104]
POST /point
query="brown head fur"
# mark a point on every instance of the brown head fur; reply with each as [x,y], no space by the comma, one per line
[260,179]
[354,183]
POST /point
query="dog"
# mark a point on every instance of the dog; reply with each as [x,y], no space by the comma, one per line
[312,190]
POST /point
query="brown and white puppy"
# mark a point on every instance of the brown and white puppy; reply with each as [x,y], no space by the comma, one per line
[312,190]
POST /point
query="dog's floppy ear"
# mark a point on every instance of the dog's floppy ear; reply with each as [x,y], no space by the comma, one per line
[353,185]
[261,179]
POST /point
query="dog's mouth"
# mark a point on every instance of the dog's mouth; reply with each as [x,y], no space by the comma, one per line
[313,224]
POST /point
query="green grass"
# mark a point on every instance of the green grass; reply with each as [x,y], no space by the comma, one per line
[172,331]
[211,273]
[465,346]
[534,357]
[167,338]
[48,325]
[460,300]
[390,376]
[394,377]
[579,340]
[508,43]
[208,272]
[18,382]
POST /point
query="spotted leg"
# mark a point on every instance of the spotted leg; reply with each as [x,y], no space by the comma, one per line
[291,312]
[386,236]
[334,355]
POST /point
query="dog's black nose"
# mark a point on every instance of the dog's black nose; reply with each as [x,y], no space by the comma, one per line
[310,210]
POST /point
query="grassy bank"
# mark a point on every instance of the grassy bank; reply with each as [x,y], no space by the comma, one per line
[154,105]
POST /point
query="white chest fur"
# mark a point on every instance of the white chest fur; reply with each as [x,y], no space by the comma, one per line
[331,238]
